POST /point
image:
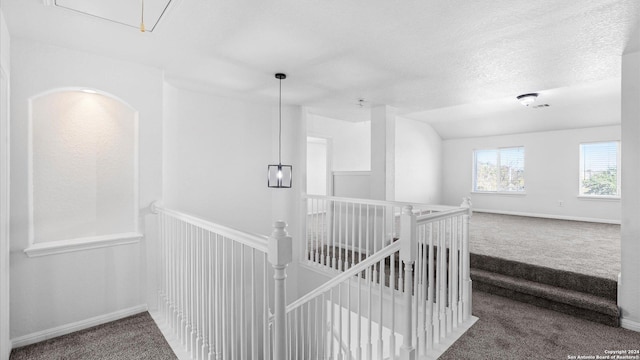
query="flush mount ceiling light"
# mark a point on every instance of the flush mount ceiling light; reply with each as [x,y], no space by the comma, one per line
[279,176]
[527,99]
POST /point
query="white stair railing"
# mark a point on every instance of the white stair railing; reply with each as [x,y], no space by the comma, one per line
[361,307]
[342,231]
[345,317]
[214,286]
[214,291]
[438,248]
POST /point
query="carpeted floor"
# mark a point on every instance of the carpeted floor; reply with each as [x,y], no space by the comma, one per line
[582,247]
[134,337]
[508,329]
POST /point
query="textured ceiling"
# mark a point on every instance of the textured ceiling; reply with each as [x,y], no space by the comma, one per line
[413,55]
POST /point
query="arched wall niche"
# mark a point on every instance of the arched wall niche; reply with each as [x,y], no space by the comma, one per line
[83,168]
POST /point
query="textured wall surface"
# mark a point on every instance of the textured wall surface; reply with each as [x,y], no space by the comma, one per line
[83,153]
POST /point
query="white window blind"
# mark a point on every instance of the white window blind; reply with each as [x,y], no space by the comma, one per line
[600,168]
[499,170]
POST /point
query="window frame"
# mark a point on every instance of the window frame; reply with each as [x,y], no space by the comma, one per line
[498,191]
[618,194]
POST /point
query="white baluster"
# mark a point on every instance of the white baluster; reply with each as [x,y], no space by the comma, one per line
[455,272]
[379,343]
[392,292]
[280,255]
[254,307]
[266,342]
[442,274]
[466,280]
[449,272]
[331,325]
[224,298]
[359,325]
[353,233]
[370,279]
[340,348]
[183,287]
[431,292]
[407,255]
[341,247]
[212,299]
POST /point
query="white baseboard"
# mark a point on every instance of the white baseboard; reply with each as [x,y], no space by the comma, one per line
[630,324]
[549,216]
[169,335]
[76,326]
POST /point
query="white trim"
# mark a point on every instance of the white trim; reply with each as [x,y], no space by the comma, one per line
[95,242]
[76,326]
[445,344]
[630,324]
[548,216]
[170,336]
[601,197]
[352,173]
[499,193]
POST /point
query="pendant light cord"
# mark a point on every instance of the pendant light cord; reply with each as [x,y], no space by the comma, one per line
[280,126]
[142,29]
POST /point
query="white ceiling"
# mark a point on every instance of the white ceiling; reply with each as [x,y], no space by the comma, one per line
[460,57]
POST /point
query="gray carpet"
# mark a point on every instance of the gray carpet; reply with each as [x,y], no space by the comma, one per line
[509,329]
[134,337]
[582,247]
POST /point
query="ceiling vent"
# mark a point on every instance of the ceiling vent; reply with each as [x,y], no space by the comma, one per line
[123,12]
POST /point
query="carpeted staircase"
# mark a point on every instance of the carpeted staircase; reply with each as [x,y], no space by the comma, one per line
[584,296]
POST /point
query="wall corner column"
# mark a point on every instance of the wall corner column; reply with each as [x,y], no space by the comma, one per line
[383,147]
[629,291]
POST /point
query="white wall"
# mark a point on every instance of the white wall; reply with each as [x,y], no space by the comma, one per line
[216,152]
[418,157]
[551,174]
[317,166]
[629,291]
[383,129]
[5,342]
[351,141]
[57,290]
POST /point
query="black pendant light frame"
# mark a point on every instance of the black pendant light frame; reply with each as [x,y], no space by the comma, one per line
[279,176]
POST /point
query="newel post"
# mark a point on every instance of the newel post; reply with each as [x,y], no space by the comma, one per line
[466,288]
[408,243]
[280,255]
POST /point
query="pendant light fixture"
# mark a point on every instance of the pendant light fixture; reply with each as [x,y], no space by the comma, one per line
[279,176]
[142,29]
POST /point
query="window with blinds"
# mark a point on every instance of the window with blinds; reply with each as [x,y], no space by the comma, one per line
[600,169]
[499,170]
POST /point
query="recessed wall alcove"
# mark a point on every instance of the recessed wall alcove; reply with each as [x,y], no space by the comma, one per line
[83,171]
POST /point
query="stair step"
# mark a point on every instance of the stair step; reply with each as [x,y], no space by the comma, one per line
[597,286]
[584,305]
